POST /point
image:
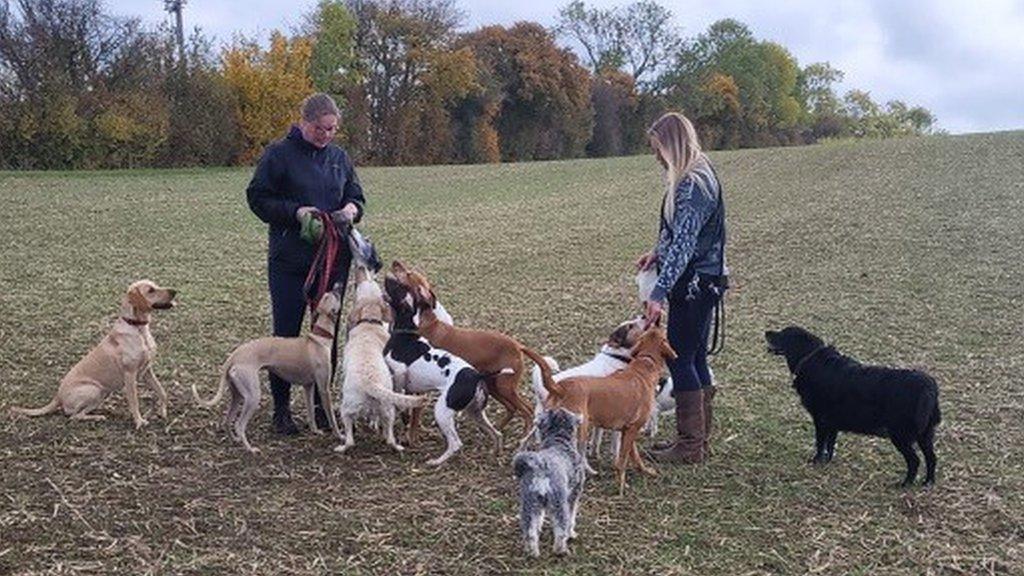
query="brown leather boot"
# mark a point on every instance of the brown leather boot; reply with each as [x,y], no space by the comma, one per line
[689,444]
[709,395]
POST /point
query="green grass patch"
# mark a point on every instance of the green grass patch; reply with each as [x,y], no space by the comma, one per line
[901,252]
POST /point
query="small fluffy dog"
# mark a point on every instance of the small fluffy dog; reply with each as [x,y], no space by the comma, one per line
[368,386]
[305,361]
[843,395]
[620,401]
[124,356]
[550,481]
[419,368]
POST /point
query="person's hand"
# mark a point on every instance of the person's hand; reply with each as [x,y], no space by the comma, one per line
[646,260]
[652,313]
[347,213]
[305,211]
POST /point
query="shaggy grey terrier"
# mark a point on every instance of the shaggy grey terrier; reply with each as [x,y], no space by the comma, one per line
[550,480]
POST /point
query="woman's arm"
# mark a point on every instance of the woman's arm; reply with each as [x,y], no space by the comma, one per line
[693,207]
[353,192]
[265,199]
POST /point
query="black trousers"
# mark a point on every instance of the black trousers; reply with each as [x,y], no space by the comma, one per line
[288,308]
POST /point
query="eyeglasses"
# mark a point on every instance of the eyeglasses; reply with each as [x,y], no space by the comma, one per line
[325,130]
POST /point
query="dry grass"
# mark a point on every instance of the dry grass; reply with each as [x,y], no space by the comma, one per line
[903,252]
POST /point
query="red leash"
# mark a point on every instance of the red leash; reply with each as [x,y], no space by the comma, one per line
[324,263]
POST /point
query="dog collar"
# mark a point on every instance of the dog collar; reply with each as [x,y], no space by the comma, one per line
[800,365]
[405,331]
[619,357]
[318,331]
[134,322]
[366,321]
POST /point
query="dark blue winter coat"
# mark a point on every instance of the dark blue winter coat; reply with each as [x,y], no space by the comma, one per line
[294,173]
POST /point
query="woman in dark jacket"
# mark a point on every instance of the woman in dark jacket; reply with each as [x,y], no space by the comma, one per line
[298,176]
[690,262]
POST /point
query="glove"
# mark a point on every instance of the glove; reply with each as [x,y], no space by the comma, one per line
[342,221]
[310,227]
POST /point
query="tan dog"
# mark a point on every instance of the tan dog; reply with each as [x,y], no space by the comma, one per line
[620,401]
[487,351]
[368,386]
[305,361]
[123,357]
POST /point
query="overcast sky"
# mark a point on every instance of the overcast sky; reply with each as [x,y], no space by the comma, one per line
[964,61]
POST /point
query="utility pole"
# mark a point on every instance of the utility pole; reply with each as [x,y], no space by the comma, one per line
[174,6]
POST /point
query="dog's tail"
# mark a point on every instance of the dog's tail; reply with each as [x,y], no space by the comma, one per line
[225,375]
[50,408]
[550,385]
[403,401]
[525,462]
[537,379]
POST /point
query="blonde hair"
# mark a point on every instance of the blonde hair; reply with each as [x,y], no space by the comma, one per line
[675,139]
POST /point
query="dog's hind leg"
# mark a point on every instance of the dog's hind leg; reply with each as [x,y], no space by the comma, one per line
[596,439]
[574,508]
[634,454]
[561,525]
[616,444]
[927,443]
[906,447]
[445,418]
[310,393]
[388,411]
[348,414]
[584,434]
[830,444]
[531,519]
[248,385]
[480,417]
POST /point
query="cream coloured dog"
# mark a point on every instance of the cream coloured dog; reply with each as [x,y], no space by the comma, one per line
[124,356]
[368,387]
[304,360]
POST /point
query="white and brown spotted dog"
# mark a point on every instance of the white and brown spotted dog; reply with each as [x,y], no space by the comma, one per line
[120,360]
[419,368]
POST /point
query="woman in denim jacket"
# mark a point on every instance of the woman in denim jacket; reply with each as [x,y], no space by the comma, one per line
[692,276]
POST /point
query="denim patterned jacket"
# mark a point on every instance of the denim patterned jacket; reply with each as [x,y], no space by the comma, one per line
[695,238]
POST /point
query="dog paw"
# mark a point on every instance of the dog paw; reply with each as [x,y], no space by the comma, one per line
[140,423]
[341,448]
[398,447]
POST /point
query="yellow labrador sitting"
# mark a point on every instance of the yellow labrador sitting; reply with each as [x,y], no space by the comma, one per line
[368,386]
[305,361]
[123,357]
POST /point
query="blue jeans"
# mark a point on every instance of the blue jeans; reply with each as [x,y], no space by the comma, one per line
[689,322]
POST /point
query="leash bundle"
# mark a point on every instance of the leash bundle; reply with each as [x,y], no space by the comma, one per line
[321,271]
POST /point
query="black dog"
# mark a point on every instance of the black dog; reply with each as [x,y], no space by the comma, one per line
[844,395]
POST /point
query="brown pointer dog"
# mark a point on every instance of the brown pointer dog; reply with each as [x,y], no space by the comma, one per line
[620,401]
[486,350]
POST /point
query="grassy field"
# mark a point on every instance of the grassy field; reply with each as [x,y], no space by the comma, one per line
[900,252]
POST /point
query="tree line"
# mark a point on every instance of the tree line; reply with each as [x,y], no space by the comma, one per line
[81,88]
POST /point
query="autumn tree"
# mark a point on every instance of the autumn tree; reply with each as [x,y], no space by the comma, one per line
[544,93]
[397,42]
[638,38]
[269,85]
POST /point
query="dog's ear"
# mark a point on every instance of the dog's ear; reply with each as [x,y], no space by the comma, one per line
[138,301]
[425,295]
[385,313]
[666,350]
